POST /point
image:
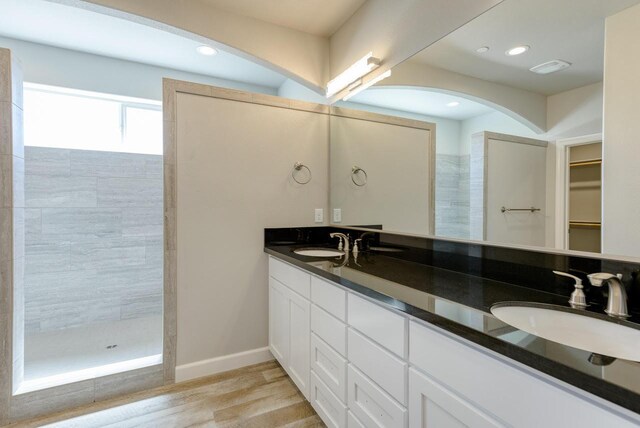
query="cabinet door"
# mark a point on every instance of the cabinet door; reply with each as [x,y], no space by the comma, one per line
[279,321]
[433,406]
[299,345]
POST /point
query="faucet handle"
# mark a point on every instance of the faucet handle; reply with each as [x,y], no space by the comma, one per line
[578,300]
[568,275]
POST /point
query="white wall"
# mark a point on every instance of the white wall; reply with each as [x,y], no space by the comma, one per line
[72,69]
[526,105]
[447,130]
[576,112]
[292,89]
[492,122]
[620,171]
[398,166]
[234,179]
[298,54]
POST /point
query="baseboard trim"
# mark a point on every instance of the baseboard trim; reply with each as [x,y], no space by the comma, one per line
[222,364]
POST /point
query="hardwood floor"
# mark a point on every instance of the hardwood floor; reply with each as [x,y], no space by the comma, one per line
[260,396]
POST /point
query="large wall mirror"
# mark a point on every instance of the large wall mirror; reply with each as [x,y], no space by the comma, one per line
[493,133]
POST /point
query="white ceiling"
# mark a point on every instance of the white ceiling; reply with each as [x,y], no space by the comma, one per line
[421,101]
[78,29]
[318,17]
[570,30]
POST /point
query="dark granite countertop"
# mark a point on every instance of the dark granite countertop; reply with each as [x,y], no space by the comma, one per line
[460,304]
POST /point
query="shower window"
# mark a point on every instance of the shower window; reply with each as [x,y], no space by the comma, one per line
[93,278]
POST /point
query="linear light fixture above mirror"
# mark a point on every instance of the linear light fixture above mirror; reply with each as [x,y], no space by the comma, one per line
[362,86]
[360,68]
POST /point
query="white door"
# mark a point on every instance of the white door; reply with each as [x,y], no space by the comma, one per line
[431,405]
[279,321]
[299,341]
[516,179]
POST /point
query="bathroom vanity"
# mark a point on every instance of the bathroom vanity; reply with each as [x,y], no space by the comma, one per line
[385,339]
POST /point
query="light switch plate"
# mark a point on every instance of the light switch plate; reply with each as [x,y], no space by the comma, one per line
[319,215]
[337,215]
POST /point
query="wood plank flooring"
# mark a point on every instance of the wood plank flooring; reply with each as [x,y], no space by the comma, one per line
[260,396]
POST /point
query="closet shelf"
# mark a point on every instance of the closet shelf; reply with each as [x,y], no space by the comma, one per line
[588,224]
[591,184]
[587,162]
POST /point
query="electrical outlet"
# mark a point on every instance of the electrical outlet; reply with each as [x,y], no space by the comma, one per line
[337,215]
[319,215]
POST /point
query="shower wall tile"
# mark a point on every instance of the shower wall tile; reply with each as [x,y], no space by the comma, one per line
[128,193]
[46,161]
[141,306]
[94,237]
[33,224]
[145,221]
[88,163]
[107,253]
[452,196]
[154,168]
[45,191]
[82,222]
[48,255]
[155,250]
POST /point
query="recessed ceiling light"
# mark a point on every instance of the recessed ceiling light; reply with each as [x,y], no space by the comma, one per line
[453,104]
[517,50]
[550,67]
[206,50]
[482,49]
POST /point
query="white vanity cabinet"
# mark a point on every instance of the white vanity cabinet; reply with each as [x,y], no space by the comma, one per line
[471,387]
[361,364]
[434,405]
[289,321]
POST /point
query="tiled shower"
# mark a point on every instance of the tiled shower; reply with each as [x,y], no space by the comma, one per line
[94,259]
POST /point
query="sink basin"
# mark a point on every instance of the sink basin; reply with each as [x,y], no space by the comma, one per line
[319,252]
[586,331]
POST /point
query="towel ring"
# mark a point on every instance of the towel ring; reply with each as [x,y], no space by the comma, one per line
[355,170]
[297,167]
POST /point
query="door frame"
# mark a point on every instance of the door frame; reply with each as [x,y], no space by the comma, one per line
[18,406]
[562,185]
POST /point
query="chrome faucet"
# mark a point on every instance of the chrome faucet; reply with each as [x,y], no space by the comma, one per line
[344,241]
[617,304]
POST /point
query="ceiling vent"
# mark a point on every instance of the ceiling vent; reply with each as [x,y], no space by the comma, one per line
[550,67]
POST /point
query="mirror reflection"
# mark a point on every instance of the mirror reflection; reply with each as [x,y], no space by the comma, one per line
[493,133]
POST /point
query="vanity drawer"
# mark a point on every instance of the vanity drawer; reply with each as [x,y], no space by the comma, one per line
[353,422]
[292,277]
[329,366]
[329,297]
[501,389]
[371,405]
[380,365]
[329,329]
[329,408]
[380,324]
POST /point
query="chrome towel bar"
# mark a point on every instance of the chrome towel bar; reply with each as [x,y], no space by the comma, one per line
[530,209]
